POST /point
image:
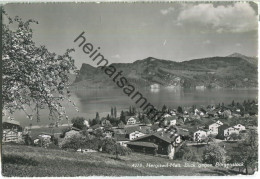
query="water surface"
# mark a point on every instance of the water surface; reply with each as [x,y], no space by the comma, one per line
[90,101]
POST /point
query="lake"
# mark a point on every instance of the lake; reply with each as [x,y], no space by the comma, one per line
[90,101]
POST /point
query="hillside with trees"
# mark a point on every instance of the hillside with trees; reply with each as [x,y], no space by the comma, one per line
[235,71]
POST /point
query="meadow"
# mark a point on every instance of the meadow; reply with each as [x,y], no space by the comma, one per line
[21,160]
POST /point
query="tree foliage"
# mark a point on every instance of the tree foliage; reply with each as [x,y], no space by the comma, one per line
[213,154]
[185,153]
[33,77]
[78,122]
[247,151]
[110,146]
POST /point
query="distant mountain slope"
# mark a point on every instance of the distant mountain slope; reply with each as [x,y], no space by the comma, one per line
[227,72]
[252,60]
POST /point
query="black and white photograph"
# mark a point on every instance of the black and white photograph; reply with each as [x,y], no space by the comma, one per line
[129,89]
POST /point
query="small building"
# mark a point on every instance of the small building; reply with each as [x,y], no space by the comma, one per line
[170,121]
[221,131]
[134,132]
[135,135]
[105,122]
[229,131]
[121,139]
[97,126]
[131,120]
[155,86]
[225,131]
[214,127]
[86,123]
[108,133]
[167,115]
[11,136]
[12,131]
[45,136]
[173,113]
[163,143]
[199,135]
[240,127]
[219,123]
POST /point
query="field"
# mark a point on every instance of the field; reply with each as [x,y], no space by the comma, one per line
[20,160]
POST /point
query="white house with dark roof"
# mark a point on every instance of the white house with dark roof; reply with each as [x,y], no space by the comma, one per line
[213,128]
[163,143]
[135,135]
[199,135]
[219,122]
[240,127]
[167,115]
[131,121]
[229,131]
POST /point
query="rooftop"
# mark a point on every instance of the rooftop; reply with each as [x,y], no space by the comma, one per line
[12,122]
[143,144]
[165,136]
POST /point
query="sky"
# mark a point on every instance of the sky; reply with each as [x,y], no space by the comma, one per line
[126,32]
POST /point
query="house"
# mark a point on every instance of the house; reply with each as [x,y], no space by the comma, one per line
[97,126]
[199,135]
[136,131]
[170,121]
[108,133]
[225,131]
[86,123]
[135,135]
[155,86]
[221,131]
[11,136]
[214,127]
[213,113]
[240,127]
[173,122]
[196,112]
[45,136]
[229,131]
[219,122]
[167,115]
[121,139]
[185,117]
[12,131]
[12,125]
[130,120]
[173,113]
[105,122]
[163,143]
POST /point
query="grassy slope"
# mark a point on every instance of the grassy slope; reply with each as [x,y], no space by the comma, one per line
[19,160]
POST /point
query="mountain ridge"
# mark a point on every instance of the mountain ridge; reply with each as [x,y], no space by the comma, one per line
[235,70]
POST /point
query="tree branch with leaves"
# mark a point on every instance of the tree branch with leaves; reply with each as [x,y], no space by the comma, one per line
[33,77]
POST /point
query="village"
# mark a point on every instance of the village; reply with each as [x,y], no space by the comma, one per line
[190,126]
